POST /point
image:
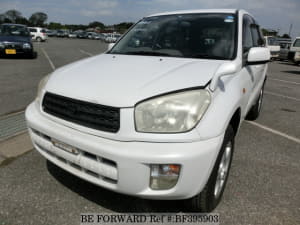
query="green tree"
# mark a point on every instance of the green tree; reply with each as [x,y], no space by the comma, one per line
[13,15]
[75,27]
[22,20]
[38,19]
[2,18]
[269,32]
[123,27]
[54,26]
[96,24]
[285,36]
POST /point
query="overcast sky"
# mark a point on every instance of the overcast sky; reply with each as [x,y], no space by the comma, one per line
[272,14]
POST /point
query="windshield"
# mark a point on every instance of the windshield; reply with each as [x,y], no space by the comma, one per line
[13,30]
[184,35]
[297,43]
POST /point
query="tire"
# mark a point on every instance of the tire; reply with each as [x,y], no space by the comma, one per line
[254,112]
[32,55]
[38,39]
[212,193]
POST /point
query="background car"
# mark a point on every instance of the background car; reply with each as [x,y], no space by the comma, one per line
[37,33]
[284,50]
[82,35]
[112,37]
[51,33]
[15,39]
[273,46]
[294,53]
[92,35]
[62,33]
[72,35]
[101,36]
[96,36]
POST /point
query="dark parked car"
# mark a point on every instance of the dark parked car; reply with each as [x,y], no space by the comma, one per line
[51,33]
[15,39]
[62,33]
[82,35]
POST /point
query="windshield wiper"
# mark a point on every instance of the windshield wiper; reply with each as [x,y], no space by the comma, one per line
[206,56]
[151,53]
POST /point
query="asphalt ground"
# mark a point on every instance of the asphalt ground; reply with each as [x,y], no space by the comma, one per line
[19,77]
[263,186]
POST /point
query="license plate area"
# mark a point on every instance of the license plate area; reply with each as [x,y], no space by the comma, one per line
[10,51]
[65,147]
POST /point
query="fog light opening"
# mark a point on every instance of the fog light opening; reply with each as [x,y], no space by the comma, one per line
[164,176]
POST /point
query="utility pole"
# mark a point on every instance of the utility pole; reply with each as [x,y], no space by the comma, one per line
[290,30]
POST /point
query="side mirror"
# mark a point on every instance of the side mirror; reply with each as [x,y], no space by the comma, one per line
[110,46]
[258,55]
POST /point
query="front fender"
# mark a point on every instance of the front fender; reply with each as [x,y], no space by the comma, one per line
[227,98]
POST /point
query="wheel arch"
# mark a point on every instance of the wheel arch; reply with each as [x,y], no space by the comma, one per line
[235,120]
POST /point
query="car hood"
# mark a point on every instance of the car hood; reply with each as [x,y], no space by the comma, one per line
[123,80]
[15,39]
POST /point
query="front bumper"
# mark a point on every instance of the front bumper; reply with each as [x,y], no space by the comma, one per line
[124,166]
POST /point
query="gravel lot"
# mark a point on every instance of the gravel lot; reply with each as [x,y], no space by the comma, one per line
[263,187]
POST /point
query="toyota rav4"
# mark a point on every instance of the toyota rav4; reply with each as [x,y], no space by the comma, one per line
[157,114]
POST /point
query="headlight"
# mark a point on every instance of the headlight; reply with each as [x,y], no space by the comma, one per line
[26,45]
[172,113]
[2,45]
[41,86]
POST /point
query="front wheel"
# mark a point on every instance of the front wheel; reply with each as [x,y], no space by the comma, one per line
[32,55]
[212,193]
[254,112]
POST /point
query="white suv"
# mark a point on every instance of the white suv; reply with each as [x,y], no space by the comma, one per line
[38,34]
[294,53]
[156,116]
[273,46]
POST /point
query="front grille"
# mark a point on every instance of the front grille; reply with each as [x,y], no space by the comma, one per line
[13,46]
[100,117]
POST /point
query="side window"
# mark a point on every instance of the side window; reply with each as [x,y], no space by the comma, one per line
[256,36]
[247,35]
[262,39]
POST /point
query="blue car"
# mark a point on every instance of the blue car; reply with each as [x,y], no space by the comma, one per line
[15,39]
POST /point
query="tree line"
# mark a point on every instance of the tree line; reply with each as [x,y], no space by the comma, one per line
[14,16]
[38,19]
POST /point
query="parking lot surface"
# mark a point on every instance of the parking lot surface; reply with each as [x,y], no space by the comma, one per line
[19,77]
[263,187]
